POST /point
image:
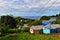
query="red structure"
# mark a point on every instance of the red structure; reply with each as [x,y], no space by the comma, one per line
[33,30]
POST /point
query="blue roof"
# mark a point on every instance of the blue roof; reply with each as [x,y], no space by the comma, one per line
[46,23]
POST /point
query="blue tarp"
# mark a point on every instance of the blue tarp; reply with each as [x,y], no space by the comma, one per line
[46,23]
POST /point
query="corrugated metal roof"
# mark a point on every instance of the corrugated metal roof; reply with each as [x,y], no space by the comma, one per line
[39,27]
[54,26]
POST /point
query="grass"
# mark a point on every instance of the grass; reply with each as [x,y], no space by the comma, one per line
[27,36]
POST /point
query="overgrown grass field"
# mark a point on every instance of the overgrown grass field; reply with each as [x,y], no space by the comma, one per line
[27,36]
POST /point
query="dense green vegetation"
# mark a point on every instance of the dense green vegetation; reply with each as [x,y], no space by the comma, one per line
[57,21]
[9,31]
[45,18]
[27,36]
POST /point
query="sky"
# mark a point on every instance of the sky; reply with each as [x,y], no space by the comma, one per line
[29,7]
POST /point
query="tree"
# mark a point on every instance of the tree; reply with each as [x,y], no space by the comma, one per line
[19,21]
[56,22]
[8,21]
[45,18]
[36,22]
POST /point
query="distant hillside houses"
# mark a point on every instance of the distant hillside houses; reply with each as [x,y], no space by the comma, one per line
[53,18]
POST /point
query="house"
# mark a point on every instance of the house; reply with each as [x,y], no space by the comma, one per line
[48,29]
[48,21]
[35,29]
[53,18]
[25,25]
[55,28]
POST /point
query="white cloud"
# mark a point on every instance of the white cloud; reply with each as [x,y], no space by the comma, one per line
[28,5]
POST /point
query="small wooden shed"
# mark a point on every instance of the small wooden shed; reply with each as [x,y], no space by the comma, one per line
[36,29]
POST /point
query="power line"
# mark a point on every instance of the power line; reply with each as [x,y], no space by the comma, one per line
[49,7]
[43,6]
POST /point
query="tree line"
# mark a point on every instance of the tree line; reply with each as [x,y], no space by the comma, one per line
[8,21]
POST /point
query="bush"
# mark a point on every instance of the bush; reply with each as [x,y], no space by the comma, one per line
[41,31]
[24,30]
[9,31]
[13,31]
[12,35]
[0,33]
[19,30]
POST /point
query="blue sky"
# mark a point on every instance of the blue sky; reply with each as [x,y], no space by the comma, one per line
[29,7]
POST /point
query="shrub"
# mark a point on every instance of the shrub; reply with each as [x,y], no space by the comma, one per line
[12,31]
[12,35]
[24,30]
[19,30]
[41,31]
